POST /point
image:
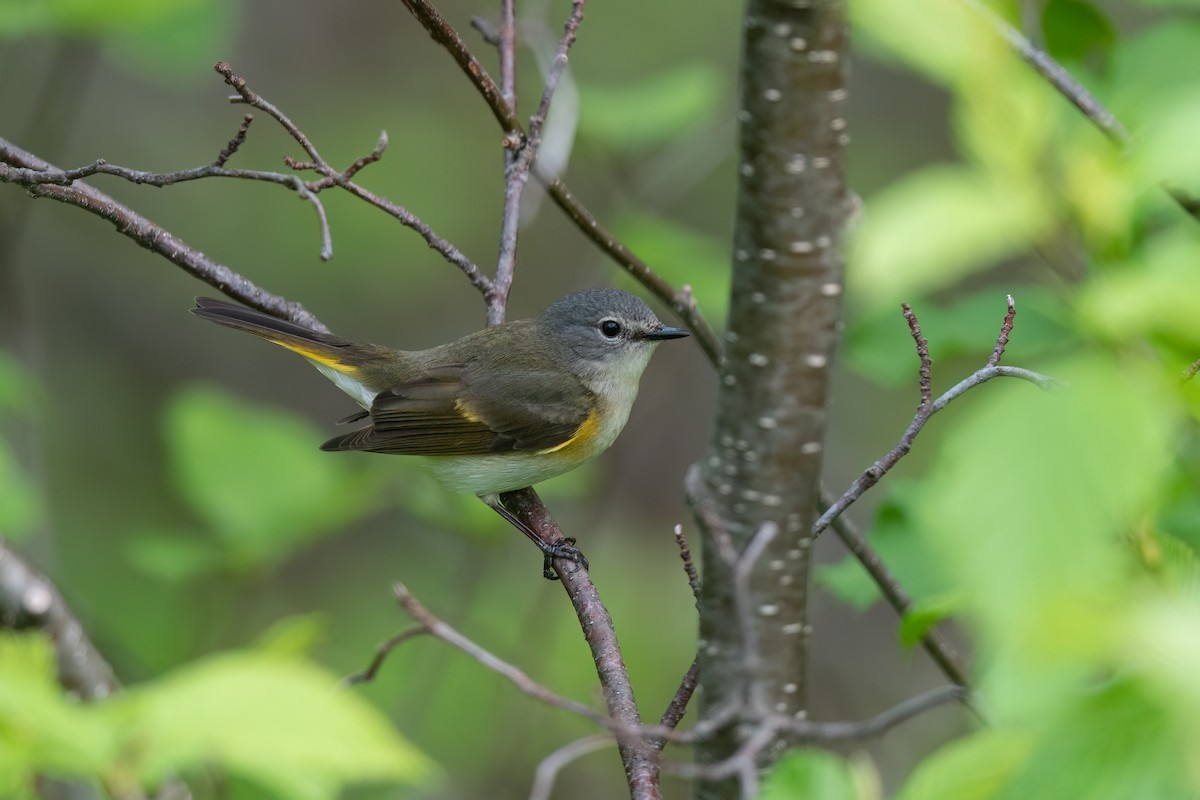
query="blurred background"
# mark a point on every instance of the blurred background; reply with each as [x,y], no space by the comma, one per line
[164,472]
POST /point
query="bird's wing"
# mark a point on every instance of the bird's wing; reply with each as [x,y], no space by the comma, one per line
[454,410]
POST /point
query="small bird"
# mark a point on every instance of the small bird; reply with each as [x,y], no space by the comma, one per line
[497,410]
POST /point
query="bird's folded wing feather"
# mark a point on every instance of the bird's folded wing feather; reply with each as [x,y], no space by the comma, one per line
[452,411]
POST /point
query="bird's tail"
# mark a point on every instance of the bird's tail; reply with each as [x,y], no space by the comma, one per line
[323,348]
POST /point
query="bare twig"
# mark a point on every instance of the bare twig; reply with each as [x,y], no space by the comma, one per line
[30,177]
[1005,330]
[444,34]
[519,160]
[873,473]
[441,630]
[914,328]
[157,239]
[381,654]
[689,566]
[551,765]
[677,708]
[680,301]
[556,70]
[744,762]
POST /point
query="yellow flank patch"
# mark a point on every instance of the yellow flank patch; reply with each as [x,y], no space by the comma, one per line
[319,357]
[582,440]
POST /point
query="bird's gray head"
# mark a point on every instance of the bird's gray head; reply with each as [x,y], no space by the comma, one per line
[606,330]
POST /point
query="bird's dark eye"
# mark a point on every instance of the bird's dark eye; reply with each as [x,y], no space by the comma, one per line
[610,328]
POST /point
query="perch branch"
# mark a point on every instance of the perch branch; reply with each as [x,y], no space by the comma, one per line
[640,759]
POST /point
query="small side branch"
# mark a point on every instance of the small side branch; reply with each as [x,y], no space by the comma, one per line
[28,599]
[679,300]
[872,474]
[1075,93]
[157,239]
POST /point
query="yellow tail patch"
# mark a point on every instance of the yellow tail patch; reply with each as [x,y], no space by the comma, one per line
[319,357]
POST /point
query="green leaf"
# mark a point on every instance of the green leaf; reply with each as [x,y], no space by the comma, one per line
[174,555]
[960,44]
[1119,742]
[256,476]
[41,732]
[933,228]
[926,614]
[1152,296]
[1171,47]
[294,636]
[1166,142]
[975,767]
[652,111]
[1075,30]
[279,722]
[816,774]
[1034,493]
[894,538]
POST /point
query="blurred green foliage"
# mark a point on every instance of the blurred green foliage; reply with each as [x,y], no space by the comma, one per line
[271,718]
[1059,530]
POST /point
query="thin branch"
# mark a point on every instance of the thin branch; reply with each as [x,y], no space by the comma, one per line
[680,300]
[677,708]
[1075,93]
[743,763]
[157,239]
[381,653]
[914,328]
[441,630]
[933,642]
[444,34]
[689,566]
[1005,330]
[872,474]
[31,177]
[251,98]
[522,153]
[556,70]
[547,771]
[28,599]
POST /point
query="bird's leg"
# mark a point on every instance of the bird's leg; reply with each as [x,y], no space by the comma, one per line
[563,548]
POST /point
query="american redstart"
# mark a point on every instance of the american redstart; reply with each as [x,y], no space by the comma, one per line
[497,410]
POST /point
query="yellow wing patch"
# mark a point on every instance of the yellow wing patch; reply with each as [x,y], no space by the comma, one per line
[468,414]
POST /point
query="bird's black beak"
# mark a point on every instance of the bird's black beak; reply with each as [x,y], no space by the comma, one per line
[666,333]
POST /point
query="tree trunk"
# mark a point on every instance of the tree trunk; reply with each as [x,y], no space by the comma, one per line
[764,464]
